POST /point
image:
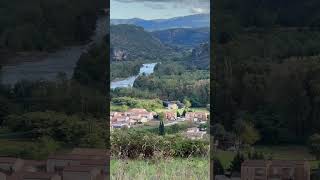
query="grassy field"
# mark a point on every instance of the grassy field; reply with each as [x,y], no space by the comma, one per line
[24,148]
[174,169]
[276,152]
[14,148]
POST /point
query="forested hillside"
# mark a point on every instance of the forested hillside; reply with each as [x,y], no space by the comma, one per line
[267,13]
[267,68]
[130,42]
[183,37]
[191,21]
[92,69]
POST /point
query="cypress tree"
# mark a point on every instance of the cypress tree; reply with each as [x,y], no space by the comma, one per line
[161,128]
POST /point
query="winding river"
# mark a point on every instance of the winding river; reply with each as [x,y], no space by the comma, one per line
[35,67]
[145,69]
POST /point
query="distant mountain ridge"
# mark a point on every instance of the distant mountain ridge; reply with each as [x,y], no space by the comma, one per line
[191,21]
[183,36]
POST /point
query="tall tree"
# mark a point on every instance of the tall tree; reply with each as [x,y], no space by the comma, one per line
[161,128]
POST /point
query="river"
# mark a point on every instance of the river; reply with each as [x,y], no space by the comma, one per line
[145,69]
[35,67]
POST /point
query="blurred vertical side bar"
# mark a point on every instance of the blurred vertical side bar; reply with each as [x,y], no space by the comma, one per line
[212,85]
[108,90]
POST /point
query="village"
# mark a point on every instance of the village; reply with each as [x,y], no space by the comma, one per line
[137,117]
[79,164]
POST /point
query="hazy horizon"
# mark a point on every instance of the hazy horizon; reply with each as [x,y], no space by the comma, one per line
[160,18]
[153,10]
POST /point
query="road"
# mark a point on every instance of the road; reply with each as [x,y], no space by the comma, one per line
[175,122]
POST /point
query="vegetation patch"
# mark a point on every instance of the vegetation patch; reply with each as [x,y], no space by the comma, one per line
[162,169]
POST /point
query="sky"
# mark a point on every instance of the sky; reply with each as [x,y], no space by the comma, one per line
[156,9]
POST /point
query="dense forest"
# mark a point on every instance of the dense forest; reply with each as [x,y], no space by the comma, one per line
[92,68]
[42,25]
[267,68]
[268,13]
[172,80]
[124,69]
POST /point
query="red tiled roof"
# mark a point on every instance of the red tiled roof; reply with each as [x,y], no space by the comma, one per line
[138,109]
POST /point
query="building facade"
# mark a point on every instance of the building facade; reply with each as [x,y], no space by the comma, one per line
[197,116]
[170,116]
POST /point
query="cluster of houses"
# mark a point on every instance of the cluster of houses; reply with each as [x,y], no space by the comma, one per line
[173,104]
[197,116]
[80,164]
[140,116]
[130,117]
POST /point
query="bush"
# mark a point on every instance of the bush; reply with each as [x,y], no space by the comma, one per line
[184,147]
[92,140]
[44,147]
[70,129]
[150,105]
[174,129]
[255,155]
[133,144]
[236,163]
[314,145]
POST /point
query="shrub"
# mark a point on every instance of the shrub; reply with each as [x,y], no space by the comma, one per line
[236,163]
[132,144]
[184,147]
[44,147]
[314,145]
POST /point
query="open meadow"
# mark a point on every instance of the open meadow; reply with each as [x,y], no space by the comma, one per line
[172,169]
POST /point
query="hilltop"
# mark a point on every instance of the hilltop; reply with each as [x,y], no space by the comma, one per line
[130,42]
[185,37]
[191,21]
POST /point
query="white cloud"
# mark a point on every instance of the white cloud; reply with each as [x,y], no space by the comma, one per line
[199,10]
[155,5]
